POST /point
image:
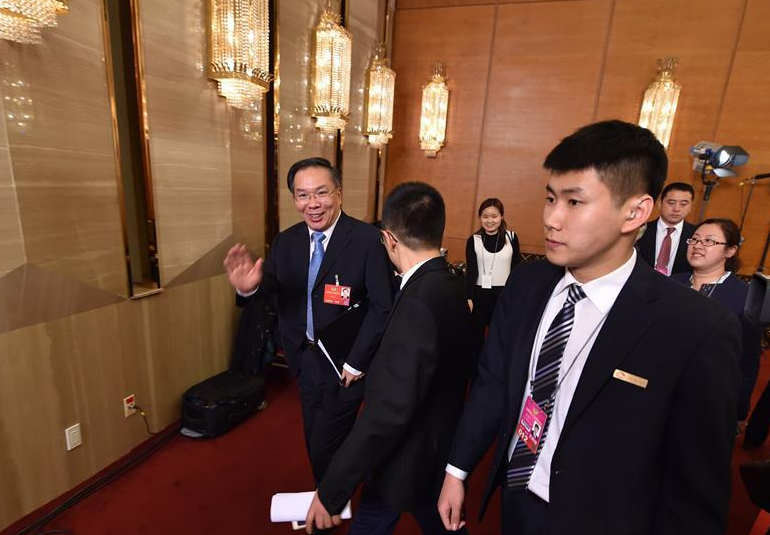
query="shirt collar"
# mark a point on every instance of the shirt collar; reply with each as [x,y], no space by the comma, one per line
[327,232]
[603,291]
[662,226]
[405,276]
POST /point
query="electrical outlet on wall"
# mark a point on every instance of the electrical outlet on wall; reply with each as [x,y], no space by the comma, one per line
[73,436]
[129,405]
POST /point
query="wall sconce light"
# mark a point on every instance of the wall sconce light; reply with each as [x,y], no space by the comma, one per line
[22,20]
[378,108]
[240,49]
[435,102]
[660,100]
[331,72]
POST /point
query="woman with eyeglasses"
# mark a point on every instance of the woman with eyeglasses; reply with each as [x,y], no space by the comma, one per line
[712,252]
[490,254]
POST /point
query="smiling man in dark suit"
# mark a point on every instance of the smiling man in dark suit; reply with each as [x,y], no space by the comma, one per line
[664,242]
[417,384]
[631,381]
[318,268]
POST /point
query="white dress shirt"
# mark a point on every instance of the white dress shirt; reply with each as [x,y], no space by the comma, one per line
[590,314]
[405,277]
[662,230]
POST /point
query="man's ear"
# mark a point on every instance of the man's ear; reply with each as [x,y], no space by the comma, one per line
[638,210]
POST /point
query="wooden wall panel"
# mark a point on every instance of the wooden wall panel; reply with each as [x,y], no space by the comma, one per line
[79,368]
[298,137]
[642,32]
[11,239]
[62,154]
[546,67]
[461,37]
[247,169]
[745,120]
[557,65]
[364,21]
[189,135]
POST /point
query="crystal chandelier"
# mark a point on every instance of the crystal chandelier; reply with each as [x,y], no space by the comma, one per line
[378,109]
[22,20]
[240,49]
[660,99]
[331,72]
[435,102]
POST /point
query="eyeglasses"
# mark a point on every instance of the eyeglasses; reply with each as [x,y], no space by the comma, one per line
[707,242]
[320,195]
[382,236]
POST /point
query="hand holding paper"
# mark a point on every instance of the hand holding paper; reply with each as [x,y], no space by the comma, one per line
[294,507]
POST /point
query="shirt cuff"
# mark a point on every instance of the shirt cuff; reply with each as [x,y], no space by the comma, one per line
[246,294]
[462,475]
[351,369]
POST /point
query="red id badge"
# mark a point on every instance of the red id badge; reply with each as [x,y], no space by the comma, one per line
[531,425]
[334,294]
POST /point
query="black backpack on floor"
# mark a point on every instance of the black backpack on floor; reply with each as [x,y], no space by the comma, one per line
[216,405]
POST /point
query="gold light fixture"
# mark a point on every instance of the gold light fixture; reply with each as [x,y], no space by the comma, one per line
[378,108]
[240,49]
[660,100]
[435,102]
[331,72]
[22,20]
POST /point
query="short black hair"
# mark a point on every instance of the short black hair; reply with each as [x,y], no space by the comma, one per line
[414,212]
[313,162]
[627,158]
[678,186]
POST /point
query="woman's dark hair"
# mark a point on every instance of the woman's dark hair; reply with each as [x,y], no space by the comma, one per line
[494,202]
[732,239]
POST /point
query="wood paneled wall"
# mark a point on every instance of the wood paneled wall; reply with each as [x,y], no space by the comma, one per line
[79,368]
[522,75]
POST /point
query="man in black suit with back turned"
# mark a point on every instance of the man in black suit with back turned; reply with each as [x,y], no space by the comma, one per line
[631,379]
[346,264]
[663,244]
[417,382]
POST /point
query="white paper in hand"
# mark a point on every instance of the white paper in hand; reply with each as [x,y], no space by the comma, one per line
[293,507]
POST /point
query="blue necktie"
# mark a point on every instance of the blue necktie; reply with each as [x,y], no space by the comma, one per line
[315,263]
[523,461]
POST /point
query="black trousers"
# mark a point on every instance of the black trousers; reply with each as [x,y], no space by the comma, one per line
[523,513]
[375,518]
[759,423]
[329,410]
[484,302]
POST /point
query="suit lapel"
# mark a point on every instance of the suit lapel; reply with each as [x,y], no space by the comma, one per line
[521,355]
[340,239]
[647,243]
[629,319]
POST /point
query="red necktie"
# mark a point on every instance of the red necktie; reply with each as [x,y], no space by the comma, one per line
[665,253]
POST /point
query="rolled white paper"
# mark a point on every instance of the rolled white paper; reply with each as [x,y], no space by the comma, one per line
[293,507]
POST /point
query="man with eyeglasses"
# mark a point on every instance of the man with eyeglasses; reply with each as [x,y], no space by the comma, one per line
[317,269]
[663,244]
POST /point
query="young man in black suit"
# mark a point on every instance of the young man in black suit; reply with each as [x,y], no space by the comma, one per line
[664,242]
[345,263]
[415,391]
[632,381]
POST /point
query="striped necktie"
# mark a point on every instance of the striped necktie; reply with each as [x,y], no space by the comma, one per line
[543,389]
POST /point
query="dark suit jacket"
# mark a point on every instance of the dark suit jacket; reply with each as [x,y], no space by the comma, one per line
[629,460]
[646,247]
[732,293]
[354,255]
[412,399]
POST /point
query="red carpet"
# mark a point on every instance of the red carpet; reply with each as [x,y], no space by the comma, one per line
[223,486]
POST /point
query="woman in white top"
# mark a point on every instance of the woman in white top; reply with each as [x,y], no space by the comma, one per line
[490,254]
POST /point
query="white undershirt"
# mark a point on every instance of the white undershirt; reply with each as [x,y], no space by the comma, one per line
[590,314]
